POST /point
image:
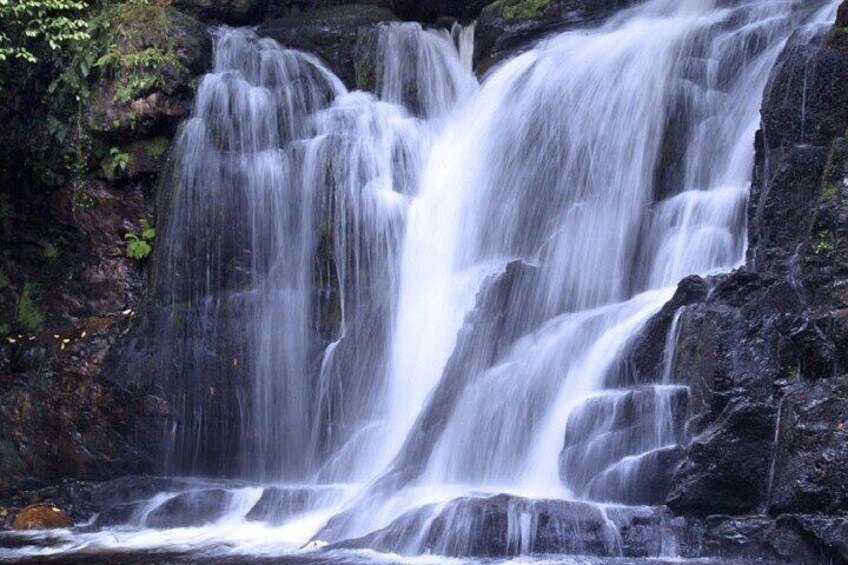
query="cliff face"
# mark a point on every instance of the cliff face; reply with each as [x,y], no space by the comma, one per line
[764,352]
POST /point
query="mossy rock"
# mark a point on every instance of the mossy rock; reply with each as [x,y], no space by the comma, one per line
[838,38]
[42,517]
[151,55]
[519,9]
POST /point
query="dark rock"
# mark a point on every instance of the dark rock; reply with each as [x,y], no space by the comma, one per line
[783,219]
[433,10]
[190,509]
[645,360]
[139,488]
[508,26]
[726,468]
[72,496]
[124,501]
[805,111]
[811,469]
[642,479]
[329,32]
[787,539]
[61,426]
[279,8]
[279,504]
[806,101]
[235,12]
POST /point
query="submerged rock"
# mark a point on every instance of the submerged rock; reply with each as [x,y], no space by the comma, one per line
[505,525]
[190,509]
[277,505]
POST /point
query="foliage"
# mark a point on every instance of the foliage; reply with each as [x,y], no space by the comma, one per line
[118,163]
[29,27]
[30,317]
[140,245]
[129,42]
[824,244]
[135,72]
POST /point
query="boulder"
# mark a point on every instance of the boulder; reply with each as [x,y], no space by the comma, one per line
[277,505]
[190,509]
[42,517]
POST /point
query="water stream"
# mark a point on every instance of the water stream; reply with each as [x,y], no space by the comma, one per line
[383,308]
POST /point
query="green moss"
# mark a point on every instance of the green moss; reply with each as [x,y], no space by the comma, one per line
[140,245]
[838,37]
[50,251]
[157,147]
[29,317]
[521,9]
[138,49]
[830,190]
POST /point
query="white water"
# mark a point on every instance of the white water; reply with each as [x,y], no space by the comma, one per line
[613,162]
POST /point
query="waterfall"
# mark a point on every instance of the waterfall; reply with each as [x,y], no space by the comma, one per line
[432,293]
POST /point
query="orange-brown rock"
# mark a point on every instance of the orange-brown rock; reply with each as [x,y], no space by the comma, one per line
[42,517]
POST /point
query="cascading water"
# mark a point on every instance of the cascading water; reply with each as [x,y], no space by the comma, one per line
[402,303]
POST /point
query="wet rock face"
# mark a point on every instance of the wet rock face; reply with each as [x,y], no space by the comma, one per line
[432,10]
[787,539]
[811,474]
[505,525]
[774,335]
[56,426]
[508,26]
[329,32]
[233,12]
[738,352]
[798,190]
